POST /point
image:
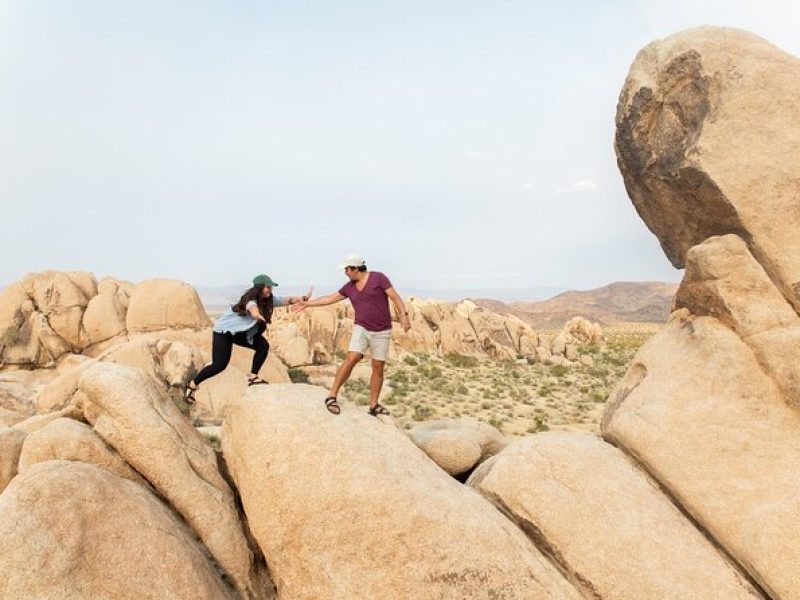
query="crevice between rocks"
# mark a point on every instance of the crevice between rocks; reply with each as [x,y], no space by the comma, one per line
[640,464]
[548,550]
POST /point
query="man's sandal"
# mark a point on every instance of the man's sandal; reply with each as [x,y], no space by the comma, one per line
[256,381]
[188,394]
[378,410]
[332,405]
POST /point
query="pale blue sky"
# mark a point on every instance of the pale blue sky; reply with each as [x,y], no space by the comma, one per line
[452,144]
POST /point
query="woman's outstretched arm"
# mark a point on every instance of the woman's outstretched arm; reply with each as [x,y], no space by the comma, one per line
[321,301]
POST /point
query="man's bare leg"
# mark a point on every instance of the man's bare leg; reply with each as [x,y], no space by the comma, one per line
[375,382]
[343,373]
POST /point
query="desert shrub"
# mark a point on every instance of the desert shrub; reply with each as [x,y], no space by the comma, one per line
[298,375]
[599,396]
[400,377]
[430,371]
[410,360]
[598,372]
[462,389]
[422,412]
[441,385]
[460,360]
[618,361]
[358,390]
[539,424]
[340,354]
[559,370]
[545,391]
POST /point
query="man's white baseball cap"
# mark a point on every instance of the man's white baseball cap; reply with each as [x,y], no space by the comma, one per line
[352,260]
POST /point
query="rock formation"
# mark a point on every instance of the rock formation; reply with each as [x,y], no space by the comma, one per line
[609,527]
[457,445]
[708,142]
[338,514]
[72,530]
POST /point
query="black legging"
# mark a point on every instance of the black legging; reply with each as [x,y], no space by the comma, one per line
[222,347]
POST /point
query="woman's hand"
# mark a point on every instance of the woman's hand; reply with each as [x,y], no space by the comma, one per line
[260,317]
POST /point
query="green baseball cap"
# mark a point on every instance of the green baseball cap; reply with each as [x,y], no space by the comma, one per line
[264,280]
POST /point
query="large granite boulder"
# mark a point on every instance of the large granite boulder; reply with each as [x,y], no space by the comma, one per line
[346,506]
[134,416]
[67,439]
[158,304]
[73,530]
[708,142]
[606,524]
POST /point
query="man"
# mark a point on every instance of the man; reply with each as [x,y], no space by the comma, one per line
[369,292]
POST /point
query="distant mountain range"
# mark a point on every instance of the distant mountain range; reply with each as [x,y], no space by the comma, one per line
[622,301]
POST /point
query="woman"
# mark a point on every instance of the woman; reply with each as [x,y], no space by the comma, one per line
[243,325]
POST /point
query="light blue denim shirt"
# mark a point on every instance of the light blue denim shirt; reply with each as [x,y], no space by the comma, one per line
[231,322]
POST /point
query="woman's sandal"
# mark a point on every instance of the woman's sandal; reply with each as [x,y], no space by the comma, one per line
[378,410]
[332,405]
[256,381]
[188,394]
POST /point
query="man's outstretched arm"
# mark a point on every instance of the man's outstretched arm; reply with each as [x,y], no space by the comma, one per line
[321,301]
[405,322]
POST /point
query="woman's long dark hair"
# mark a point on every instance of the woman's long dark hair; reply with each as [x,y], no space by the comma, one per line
[265,305]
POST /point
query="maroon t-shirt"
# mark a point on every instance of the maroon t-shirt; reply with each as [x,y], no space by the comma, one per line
[371,304]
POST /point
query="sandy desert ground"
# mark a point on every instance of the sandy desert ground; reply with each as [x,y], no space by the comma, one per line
[518,398]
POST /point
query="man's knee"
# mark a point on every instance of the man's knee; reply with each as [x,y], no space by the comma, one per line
[353,358]
[377,367]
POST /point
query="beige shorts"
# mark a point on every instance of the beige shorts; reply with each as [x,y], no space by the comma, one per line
[376,341]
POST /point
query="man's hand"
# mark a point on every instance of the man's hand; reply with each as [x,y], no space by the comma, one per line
[405,323]
[299,306]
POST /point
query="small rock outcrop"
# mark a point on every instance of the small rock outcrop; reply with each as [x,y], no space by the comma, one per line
[457,445]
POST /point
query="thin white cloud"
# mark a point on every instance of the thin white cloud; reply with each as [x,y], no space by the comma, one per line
[582,185]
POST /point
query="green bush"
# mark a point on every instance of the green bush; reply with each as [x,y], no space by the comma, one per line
[539,424]
[496,423]
[399,377]
[422,412]
[559,370]
[410,360]
[298,376]
[430,372]
[215,443]
[462,389]
[460,360]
